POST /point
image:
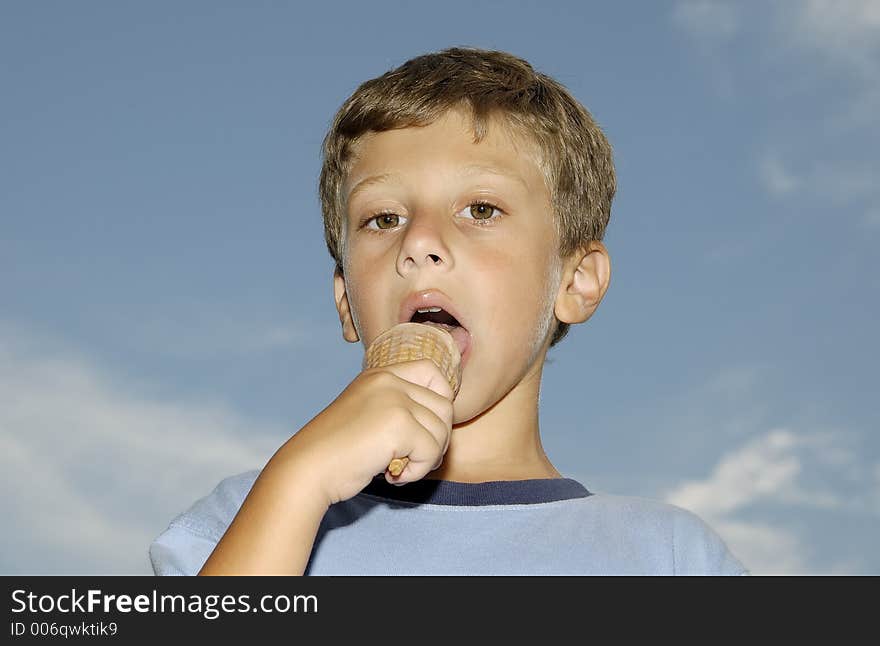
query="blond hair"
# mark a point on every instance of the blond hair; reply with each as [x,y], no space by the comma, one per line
[572,152]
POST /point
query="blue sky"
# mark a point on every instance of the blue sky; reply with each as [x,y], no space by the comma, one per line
[166,313]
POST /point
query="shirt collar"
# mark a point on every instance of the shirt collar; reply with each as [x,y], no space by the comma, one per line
[496,492]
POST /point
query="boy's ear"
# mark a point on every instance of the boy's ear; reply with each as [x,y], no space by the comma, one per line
[349,332]
[586,275]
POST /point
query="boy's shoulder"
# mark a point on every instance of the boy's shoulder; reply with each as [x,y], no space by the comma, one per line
[631,508]
[211,515]
[696,546]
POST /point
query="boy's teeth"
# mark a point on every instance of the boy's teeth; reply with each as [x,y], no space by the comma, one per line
[429,309]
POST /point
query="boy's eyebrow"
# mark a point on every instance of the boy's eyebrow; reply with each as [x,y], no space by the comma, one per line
[472,169]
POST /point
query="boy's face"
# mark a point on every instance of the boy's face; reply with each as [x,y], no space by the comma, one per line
[498,267]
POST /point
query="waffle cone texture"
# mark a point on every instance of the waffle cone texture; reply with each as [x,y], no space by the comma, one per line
[414,341]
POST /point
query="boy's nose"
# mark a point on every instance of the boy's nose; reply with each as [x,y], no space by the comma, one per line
[423,246]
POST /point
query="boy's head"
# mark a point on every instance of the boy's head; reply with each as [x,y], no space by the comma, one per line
[434,139]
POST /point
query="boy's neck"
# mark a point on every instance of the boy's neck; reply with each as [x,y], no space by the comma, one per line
[490,473]
[502,443]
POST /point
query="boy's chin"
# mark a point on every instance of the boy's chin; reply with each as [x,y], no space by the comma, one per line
[469,406]
[463,409]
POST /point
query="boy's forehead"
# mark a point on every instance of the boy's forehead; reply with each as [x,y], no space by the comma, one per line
[360,184]
[446,146]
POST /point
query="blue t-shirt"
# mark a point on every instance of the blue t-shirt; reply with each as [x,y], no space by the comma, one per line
[430,527]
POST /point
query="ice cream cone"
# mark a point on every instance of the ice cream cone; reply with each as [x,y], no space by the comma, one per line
[410,342]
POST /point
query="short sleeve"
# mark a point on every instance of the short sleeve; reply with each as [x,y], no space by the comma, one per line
[179,551]
[699,550]
[183,548]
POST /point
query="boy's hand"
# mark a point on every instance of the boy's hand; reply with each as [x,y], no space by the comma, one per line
[403,409]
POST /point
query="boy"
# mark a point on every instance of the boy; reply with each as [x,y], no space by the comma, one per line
[462,180]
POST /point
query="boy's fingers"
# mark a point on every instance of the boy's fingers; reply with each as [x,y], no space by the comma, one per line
[434,425]
[422,372]
[439,406]
[421,446]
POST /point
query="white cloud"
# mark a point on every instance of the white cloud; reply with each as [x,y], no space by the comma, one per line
[762,468]
[816,57]
[837,184]
[764,549]
[92,470]
[781,470]
[845,37]
[846,32]
[206,329]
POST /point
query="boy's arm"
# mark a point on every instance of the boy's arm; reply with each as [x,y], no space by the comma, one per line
[275,527]
[385,413]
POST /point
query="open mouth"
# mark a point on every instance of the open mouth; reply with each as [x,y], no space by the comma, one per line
[435,315]
[439,317]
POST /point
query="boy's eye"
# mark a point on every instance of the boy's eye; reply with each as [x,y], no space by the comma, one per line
[478,211]
[386,220]
[482,210]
